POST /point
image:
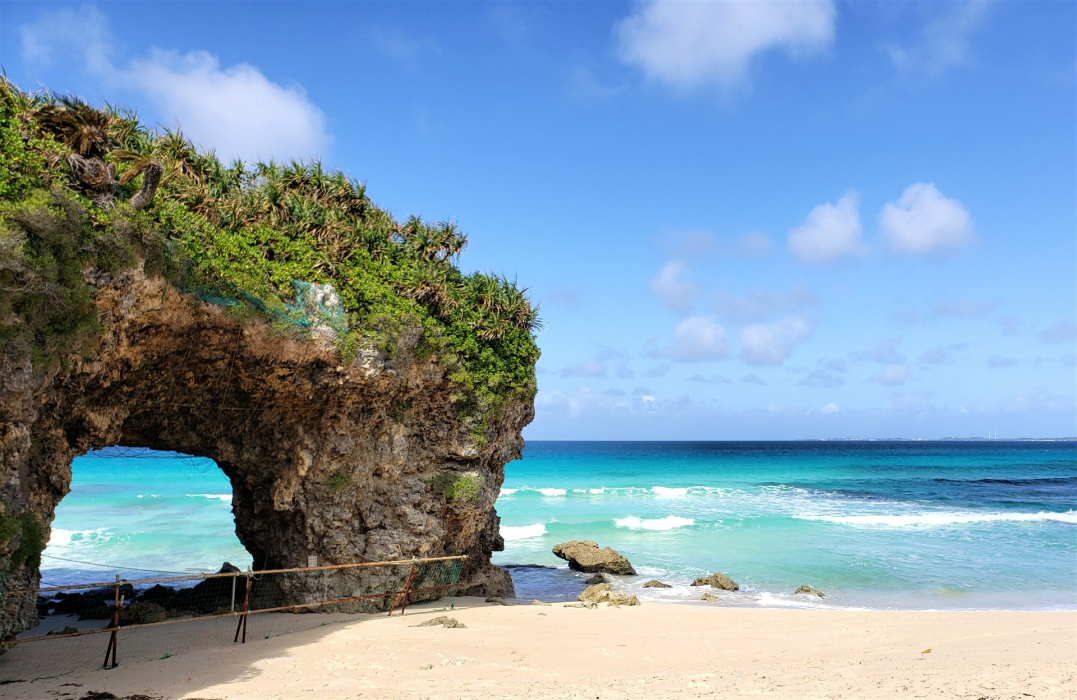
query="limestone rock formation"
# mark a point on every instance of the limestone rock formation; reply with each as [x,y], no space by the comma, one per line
[602,593]
[808,590]
[717,580]
[709,598]
[596,579]
[656,584]
[585,556]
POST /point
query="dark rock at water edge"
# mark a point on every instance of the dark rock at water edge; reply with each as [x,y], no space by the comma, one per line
[585,556]
[717,580]
[809,591]
[596,579]
[656,584]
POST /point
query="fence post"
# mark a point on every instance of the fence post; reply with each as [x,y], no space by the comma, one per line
[242,624]
[402,599]
[114,638]
[235,575]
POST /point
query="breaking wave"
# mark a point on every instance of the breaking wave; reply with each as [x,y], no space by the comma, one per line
[670,522]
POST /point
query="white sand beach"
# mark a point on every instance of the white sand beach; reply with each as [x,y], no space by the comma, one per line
[652,651]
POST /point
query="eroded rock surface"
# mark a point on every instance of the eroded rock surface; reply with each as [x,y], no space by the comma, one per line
[585,556]
[602,593]
[656,584]
[717,580]
[808,590]
[367,460]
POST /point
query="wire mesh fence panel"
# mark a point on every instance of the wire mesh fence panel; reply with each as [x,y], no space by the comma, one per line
[96,625]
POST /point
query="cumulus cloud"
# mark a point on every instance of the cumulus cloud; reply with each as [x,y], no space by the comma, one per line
[772,343]
[830,231]
[963,307]
[712,379]
[820,378]
[1000,361]
[885,352]
[755,244]
[672,289]
[1063,331]
[759,304]
[696,339]
[922,220]
[935,356]
[689,44]
[753,379]
[659,370]
[944,41]
[235,110]
[892,375]
[587,368]
[830,408]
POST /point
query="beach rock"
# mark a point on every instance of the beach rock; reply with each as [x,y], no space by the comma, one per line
[808,590]
[496,600]
[717,580]
[65,630]
[602,593]
[142,613]
[540,602]
[588,606]
[585,556]
[596,579]
[351,460]
[709,598]
[442,621]
[656,584]
[426,667]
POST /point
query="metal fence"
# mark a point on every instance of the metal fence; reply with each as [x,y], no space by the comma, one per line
[156,618]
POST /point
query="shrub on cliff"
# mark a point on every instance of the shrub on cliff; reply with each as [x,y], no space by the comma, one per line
[87,191]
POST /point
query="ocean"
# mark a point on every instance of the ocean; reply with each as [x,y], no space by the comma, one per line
[873,524]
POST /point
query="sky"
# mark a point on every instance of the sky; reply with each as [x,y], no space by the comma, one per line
[740,220]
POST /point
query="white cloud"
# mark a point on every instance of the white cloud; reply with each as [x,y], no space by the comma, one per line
[755,244]
[935,356]
[235,110]
[944,41]
[759,304]
[1063,331]
[830,231]
[922,220]
[830,408]
[772,343]
[822,378]
[675,292]
[892,375]
[696,339]
[587,368]
[688,44]
[963,307]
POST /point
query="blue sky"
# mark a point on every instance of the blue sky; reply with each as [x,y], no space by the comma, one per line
[741,220]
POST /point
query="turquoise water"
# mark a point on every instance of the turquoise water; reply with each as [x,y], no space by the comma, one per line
[904,525]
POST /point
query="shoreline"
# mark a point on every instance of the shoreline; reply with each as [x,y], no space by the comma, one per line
[653,650]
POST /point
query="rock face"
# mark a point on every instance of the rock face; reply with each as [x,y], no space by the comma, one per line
[656,584]
[585,556]
[710,598]
[596,579]
[602,593]
[366,460]
[808,590]
[717,580]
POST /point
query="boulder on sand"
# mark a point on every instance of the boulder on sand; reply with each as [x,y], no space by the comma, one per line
[710,598]
[585,556]
[656,584]
[602,593]
[809,590]
[717,580]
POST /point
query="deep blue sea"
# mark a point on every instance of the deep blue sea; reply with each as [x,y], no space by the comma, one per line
[882,525]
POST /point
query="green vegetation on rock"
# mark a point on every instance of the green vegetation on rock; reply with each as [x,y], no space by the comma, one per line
[455,486]
[87,192]
[31,539]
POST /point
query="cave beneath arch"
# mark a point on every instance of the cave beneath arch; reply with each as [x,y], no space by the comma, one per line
[339,460]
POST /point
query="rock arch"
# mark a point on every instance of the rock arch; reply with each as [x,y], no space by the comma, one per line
[360,461]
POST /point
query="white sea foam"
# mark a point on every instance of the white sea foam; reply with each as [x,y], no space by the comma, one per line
[522,532]
[597,491]
[665,492]
[508,492]
[552,492]
[219,496]
[60,537]
[943,518]
[670,522]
